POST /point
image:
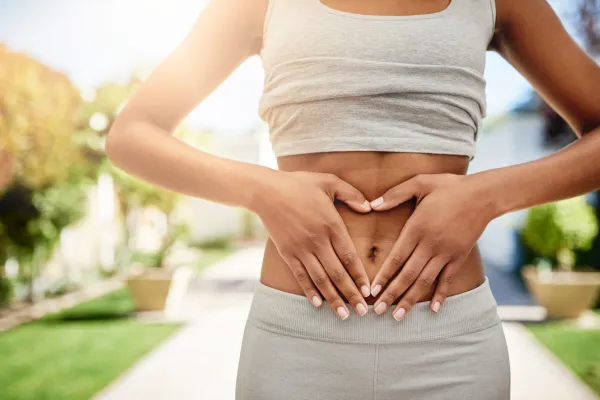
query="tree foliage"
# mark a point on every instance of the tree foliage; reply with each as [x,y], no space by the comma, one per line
[38,114]
[566,225]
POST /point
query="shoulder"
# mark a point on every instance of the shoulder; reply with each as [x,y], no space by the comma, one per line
[240,18]
[511,12]
[515,13]
[257,13]
[252,12]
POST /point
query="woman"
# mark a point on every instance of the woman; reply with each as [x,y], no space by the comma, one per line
[375,104]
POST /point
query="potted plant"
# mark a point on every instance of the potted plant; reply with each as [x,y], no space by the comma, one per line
[155,283]
[554,232]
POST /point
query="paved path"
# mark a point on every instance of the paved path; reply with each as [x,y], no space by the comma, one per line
[200,361]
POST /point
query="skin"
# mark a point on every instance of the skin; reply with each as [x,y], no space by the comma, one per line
[531,37]
[325,241]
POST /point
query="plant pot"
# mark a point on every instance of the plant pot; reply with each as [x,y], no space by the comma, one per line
[564,294]
[159,289]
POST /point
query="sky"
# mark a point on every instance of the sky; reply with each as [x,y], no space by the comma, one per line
[95,41]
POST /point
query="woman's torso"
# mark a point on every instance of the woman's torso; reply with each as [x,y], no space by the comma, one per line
[374,233]
[374,92]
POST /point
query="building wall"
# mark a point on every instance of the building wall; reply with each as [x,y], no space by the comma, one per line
[207,220]
[518,139]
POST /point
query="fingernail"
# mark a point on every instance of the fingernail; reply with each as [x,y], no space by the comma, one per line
[364,289]
[399,314]
[380,308]
[342,312]
[361,309]
[316,301]
[366,205]
[436,306]
[377,202]
[375,291]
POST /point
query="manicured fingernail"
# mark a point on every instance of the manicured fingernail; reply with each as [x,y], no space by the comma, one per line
[377,202]
[342,312]
[316,301]
[399,314]
[366,205]
[364,289]
[436,306]
[361,309]
[375,291]
[380,308]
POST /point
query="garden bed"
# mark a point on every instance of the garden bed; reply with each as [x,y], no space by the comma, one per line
[24,312]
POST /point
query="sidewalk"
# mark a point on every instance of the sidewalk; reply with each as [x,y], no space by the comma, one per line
[200,361]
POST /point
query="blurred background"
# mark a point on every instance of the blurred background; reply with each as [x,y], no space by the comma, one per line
[113,289]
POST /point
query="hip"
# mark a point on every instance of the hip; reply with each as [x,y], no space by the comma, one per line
[295,351]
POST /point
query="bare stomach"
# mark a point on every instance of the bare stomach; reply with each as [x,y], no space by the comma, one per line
[375,233]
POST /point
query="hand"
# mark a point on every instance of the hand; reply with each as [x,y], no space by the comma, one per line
[298,211]
[450,215]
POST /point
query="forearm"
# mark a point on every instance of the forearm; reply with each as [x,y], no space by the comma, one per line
[573,171]
[146,151]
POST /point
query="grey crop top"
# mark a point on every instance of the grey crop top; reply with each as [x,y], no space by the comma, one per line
[338,81]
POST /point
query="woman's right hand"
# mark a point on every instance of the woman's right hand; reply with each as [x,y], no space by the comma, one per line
[297,209]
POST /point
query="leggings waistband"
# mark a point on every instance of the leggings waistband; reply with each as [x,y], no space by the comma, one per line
[292,315]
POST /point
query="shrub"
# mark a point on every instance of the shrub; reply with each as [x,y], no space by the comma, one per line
[555,230]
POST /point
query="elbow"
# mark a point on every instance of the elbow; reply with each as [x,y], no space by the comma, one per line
[116,143]
[112,146]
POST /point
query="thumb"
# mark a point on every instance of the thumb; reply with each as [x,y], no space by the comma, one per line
[345,192]
[397,195]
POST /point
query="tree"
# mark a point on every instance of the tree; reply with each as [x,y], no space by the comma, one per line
[38,198]
[38,110]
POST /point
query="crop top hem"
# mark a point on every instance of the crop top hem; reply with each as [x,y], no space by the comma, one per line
[375,144]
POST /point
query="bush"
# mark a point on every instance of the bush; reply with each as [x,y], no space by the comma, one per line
[6,291]
[555,230]
[32,221]
[136,193]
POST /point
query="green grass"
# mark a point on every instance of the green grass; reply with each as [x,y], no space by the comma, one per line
[75,353]
[578,348]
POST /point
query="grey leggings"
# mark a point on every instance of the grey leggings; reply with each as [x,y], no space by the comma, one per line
[293,351]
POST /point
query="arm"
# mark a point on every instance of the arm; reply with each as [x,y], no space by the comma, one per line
[531,37]
[296,208]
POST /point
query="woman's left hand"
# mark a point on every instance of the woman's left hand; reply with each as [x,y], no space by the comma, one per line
[451,213]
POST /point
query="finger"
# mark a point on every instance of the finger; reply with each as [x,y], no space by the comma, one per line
[398,194]
[342,280]
[401,251]
[443,285]
[323,283]
[345,192]
[305,282]
[420,288]
[407,276]
[346,252]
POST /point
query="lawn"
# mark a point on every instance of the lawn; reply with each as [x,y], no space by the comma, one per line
[73,354]
[578,348]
